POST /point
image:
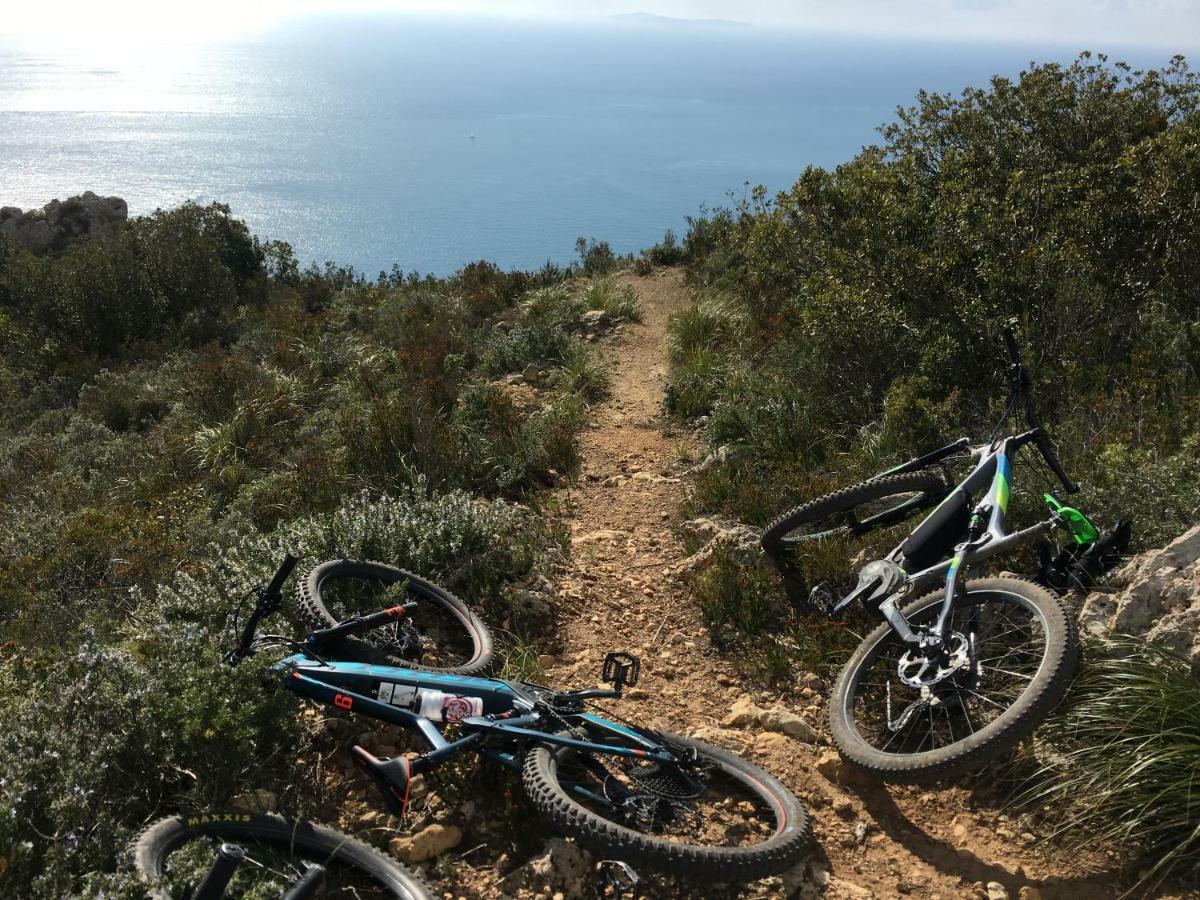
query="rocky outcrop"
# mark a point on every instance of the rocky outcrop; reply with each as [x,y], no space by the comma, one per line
[61,223]
[713,534]
[1155,595]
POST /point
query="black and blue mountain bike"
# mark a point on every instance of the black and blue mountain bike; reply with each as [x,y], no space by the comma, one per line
[622,790]
[960,672]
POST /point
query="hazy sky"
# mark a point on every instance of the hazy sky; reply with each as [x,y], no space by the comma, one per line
[1169,23]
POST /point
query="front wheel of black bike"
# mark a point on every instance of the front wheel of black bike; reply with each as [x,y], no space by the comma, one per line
[440,633]
[855,510]
[718,818]
[174,855]
[1025,649]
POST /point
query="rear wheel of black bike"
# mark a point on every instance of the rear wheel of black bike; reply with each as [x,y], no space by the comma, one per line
[175,854]
[440,633]
[718,818]
[1026,650]
[856,510]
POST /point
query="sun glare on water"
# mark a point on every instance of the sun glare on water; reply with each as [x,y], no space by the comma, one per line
[139,19]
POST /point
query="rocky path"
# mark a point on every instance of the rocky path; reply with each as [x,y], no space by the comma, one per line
[619,592]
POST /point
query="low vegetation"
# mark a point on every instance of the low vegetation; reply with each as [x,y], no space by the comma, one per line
[1121,758]
[181,405]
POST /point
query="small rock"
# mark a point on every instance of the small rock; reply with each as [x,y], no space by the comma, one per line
[426,844]
[848,888]
[840,772]
[562,867]
[743,714]
[1029,892]
[721,737]
[996,891]
[789,723]
[546,660]
[258,800]
[772,744]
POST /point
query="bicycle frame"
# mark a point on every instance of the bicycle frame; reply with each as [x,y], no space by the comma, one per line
[986,536]
[510,710]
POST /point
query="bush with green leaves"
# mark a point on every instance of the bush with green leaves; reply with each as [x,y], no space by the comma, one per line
[144,718]
[870,299]
[182,405]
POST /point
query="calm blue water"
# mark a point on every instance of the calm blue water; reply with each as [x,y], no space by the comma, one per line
[375,141]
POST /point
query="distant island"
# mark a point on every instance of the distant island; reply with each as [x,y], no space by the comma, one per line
[675,21]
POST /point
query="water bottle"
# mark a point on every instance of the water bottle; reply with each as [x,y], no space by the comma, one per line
[442,707]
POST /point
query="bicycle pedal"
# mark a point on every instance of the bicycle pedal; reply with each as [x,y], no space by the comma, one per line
[392,776]
[617,880]
[822,599]
[621,670]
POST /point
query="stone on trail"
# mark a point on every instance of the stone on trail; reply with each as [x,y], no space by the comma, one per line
[746,714]
[562,867]
[427,843]
[835,769]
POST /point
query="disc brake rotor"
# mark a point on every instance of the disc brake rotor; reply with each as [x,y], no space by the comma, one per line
[403,640]
[918,671]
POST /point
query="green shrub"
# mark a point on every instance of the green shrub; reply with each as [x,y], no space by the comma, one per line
[583,375]
[145,719]
[595,258]
[610,295]
[161,449]
[869,301]
[1121,758]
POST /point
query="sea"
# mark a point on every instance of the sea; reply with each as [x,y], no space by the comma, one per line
[426,143]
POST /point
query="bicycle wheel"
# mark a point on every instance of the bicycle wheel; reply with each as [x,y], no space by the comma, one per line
[174,855]
[440,633]
[719,818]
[855,510]
[1026,650]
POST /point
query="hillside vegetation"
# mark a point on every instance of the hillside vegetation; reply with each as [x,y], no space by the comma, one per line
[854,320]
[181,404]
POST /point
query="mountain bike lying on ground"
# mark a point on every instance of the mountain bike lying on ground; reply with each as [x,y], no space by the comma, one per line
[234,853]
[621,790]
[964,672]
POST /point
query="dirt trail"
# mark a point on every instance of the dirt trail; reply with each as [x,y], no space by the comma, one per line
[619,593]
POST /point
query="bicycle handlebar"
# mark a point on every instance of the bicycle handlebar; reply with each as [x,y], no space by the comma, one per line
[285,569]
[1051,457]
[268,599]
[1021,383]
[1010,341]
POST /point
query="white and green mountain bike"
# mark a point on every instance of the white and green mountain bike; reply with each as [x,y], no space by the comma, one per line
[961,669]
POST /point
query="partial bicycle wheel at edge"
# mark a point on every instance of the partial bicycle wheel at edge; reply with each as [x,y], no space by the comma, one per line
[855,510]
[762,829]
[175,853]
[441,634]
[1027,649]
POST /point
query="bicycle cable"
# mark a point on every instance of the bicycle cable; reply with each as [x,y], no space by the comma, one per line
[1009,408]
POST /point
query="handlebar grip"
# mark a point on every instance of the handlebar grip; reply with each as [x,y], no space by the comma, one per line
[276,585]
[1010,341]
[1043,444]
